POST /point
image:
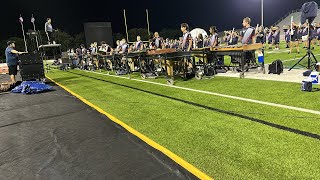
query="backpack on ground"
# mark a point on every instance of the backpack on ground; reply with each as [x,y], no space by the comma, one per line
[276,67]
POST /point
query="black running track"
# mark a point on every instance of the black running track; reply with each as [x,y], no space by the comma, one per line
[55,136]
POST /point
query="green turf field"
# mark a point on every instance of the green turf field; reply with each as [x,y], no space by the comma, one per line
[223,137]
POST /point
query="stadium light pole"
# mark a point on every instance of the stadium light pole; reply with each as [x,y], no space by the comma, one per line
[261,12]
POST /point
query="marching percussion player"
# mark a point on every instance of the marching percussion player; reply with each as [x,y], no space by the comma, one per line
[247,37]
[186,42]
[105,49]
[118,47]
[214,39]
[248,32]
[124,49]
[157,41]
[167,44]
[187,38]
[93,52]
[200,42]
[138,45]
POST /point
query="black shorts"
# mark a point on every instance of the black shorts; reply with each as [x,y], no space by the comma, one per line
[13,70]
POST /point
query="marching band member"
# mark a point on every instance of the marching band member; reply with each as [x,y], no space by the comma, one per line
[187,38]
[270,38]
[167,43]
[206,41]
[186,43]
[313,35]
[175,44]
[94,51]
[276,37]
[248,32]
[226,37]
[318,33]
[294,38]
[118,47]
[138,45]
[199,40]
[299,33]
[260,35]
[157,41]
[106,49]
[124,46]
[93,48]
[84,55]
[247,37]
[305,34]
[214,39]
[234,38]
[286,35]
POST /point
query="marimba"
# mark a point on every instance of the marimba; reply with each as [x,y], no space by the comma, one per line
[243,54]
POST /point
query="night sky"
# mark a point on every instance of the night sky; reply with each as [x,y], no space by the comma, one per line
[69,15]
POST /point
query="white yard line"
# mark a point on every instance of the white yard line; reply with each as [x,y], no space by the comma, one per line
[297,58]
[294,59]
[220,95]
[277,51]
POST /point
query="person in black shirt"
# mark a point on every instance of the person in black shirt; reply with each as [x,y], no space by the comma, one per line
[294,38]
[313,34]
[233,38]
[200,41]
[260,35]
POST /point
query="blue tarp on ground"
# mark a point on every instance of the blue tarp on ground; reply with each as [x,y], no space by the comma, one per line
[32,87]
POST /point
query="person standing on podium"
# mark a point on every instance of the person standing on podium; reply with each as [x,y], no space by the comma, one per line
[49,31]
